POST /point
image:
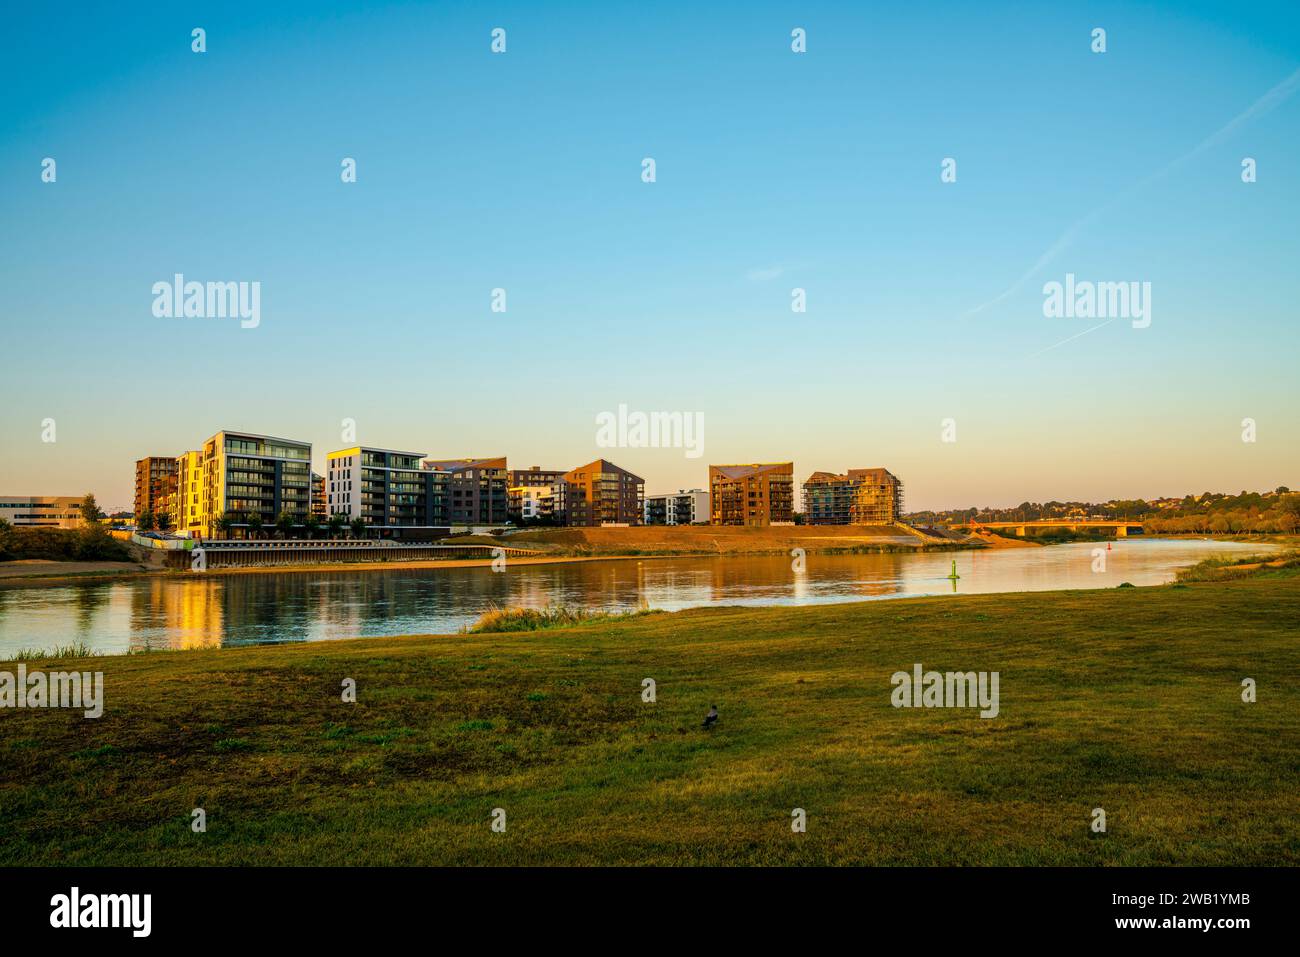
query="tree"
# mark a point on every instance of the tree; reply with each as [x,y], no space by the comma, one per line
[358,526]
[224,523]
[145,523]
[311,524]
[1289,519]
[95,544]
[90,513]
[336,523]
[164,521]
[285,523]
[254,520]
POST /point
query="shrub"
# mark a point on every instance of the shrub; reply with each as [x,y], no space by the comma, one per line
[95,544]
[536,619]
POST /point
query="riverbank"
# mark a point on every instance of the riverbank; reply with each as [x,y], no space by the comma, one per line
[1124,699]
[556,545]
[33,573]
[691,540]
[131,571]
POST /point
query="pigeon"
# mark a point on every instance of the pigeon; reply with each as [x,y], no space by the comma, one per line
[711,718]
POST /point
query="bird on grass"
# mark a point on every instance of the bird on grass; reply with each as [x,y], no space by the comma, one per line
[711,718]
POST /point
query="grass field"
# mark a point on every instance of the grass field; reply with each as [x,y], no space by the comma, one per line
[1125,699]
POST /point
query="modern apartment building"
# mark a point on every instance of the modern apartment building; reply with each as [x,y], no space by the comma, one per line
[756,494]
[478,489]
[155,482]
[246,474]
[683,507]
[187,500]
[52,511]
[600,493]
[319,501]
[859,497]
[527,503]
[534,475]
[390,491]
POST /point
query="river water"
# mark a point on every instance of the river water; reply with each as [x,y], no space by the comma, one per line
[116,617]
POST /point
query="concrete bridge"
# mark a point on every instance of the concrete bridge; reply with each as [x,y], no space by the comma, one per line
[1123,527]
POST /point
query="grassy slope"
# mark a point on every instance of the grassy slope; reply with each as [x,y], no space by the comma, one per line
[1125,699]
[710,539]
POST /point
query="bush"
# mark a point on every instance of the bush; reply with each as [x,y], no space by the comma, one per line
[90,544]
[97,545]
[535,619]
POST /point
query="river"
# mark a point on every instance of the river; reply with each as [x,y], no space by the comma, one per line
[241,609]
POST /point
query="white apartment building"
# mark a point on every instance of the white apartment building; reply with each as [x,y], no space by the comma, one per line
[531,501]
[683,507]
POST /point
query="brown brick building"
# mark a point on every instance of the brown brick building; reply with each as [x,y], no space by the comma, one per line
[757,494]
[859,497]
[600,493]
[533,476]
[476,490]
[155,484]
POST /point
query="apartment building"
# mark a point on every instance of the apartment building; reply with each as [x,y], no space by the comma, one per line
[390,491]
[600,493]
[319,501]
[478,489]
[244,474]
[155,483]
[52,511]
[858,497]
[187,501]
[683,507]
[528,503]
[534,475]
[755,494]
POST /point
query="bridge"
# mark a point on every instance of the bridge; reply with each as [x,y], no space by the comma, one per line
[1123,527]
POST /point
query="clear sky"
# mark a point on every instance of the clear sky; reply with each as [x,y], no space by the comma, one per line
[775,170]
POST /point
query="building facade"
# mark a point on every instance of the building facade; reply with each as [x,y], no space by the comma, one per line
[600,493]
[757,494]
[683,507]
[478,489]
[51,511]
[319,501]
[155,484]
[532,503]
[390,491]
[246,475]
[858,497]
[187,500]
[533,476]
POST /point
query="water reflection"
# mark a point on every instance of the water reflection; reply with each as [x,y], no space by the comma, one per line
[201,611]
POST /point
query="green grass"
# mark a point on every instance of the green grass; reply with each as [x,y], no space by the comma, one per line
[1125,699]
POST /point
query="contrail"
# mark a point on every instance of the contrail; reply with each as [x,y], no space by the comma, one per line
[1264,104]
[1073,337]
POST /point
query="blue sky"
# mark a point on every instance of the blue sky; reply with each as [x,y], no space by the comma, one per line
[774,170]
